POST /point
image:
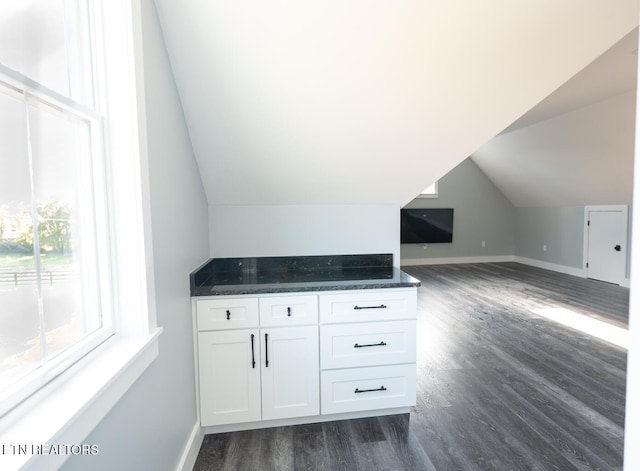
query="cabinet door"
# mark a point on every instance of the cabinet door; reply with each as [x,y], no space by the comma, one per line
[229,379]
[290,372]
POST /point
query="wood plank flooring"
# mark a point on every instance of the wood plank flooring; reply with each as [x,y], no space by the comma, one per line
[499,387]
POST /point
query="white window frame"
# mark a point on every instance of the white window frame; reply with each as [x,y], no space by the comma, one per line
[36,96]
[68,408]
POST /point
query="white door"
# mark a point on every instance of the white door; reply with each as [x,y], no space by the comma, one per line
[290,372]
[229,378]
[607,251]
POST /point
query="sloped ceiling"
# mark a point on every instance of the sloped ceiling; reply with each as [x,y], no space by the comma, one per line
[612,73]
[576,147]
[366,102]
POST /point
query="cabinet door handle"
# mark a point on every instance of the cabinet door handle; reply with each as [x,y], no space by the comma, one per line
[358,391]
[289,311]
[253,354]
[382,306]
[266,350]
[381,344]
[228,314]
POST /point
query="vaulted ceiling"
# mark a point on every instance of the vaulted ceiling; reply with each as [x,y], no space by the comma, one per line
[610,74]
[576,147]
[366,102]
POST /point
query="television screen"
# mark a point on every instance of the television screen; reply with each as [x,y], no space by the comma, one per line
[426,226]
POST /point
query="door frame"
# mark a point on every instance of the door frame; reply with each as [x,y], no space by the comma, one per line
[624,281]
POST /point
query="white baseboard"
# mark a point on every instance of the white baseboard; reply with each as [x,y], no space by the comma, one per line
[454,260]
[494,259]
[190,453]
[551,266]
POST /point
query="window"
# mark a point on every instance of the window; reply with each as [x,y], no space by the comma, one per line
[430,192]
[54,289]
[48,41]
[73,103]
[74,191]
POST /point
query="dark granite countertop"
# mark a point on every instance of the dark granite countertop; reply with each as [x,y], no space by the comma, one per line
[238,276]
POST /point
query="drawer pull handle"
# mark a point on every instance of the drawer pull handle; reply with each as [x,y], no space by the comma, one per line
[382,306]
[381,344]
[253,355]
[266,350]
[289,311]
[358,391]
[228,314]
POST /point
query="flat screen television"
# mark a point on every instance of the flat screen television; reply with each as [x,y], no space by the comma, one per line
[426,226]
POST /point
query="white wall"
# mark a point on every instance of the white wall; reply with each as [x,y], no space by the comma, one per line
[148,429]
[632,406]
[481,213]
[261,231]
[561,229]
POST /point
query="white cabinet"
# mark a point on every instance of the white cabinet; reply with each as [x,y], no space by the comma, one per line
[359,333]
[229,373]
[300,356]
[218,314]
[368,306]
[269,371]
[288,310]
[358,389]
[377,343]
[290,380]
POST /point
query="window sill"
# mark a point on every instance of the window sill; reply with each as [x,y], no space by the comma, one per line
[65,411]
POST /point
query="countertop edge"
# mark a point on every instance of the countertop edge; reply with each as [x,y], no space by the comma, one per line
[405,281]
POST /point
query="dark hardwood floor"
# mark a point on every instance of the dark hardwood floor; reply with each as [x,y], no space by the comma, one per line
[499,387]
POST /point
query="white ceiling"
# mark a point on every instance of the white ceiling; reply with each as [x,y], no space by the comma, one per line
[613,73]
[365,102]
[576,147]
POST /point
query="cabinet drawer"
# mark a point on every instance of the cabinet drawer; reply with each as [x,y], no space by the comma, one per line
[371,388]
[368,306]
[376,343]
[219,314]
[288,310]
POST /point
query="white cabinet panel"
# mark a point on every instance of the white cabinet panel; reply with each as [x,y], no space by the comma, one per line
[228,377]
[218,314]
[369,306]
[359,389]
[370,344]
[288,310]
[290,372]
[365,343]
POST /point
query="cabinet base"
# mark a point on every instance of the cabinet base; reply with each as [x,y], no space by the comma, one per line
[303,420]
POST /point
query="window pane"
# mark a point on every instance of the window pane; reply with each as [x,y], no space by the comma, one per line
[19,300]
[430,190]
[50,280]
[46,40]
[66,236]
